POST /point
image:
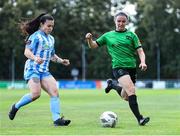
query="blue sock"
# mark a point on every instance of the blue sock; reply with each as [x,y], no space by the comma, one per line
[23,101]
[55,107]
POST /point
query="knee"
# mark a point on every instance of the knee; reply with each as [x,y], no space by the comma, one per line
[126,98]
[36,95]
[124,95]
[131,90]
[55,92]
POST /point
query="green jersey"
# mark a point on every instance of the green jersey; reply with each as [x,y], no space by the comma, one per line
[122,47]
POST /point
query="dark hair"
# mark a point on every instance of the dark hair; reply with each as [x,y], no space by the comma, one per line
[29,27]
[121,14]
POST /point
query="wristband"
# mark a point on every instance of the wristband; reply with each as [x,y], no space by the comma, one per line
[59,60]
[35,58]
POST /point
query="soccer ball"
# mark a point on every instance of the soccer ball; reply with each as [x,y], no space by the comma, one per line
[108,119]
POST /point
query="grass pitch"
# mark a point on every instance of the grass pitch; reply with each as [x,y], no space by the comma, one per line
[84,107]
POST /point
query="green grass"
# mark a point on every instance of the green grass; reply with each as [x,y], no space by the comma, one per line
[84,107]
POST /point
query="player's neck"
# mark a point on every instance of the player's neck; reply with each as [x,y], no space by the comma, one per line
[121,31]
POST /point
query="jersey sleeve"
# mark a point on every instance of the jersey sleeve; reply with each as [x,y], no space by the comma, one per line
[101,40]
[53,52]
[136,41]
[32,42]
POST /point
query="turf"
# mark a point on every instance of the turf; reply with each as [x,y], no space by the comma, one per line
[84,107]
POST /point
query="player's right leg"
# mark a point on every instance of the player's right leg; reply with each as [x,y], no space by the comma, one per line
[35,91]
[12,112]
[112,84]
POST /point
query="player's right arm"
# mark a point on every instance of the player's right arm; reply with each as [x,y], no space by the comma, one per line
[31,43]
[28,53]
[91,43]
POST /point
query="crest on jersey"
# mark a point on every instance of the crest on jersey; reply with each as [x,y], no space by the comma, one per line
[128,37]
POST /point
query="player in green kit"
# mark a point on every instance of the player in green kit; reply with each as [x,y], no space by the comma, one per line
[123,45]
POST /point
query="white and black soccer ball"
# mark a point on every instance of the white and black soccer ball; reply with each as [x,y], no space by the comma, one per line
[108,119]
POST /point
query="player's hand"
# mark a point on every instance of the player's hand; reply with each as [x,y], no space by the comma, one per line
[38,60]
[65,62]
[88,36]
[143,66]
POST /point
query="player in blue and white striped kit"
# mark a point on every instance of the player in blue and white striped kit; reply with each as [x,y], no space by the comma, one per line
[40,51]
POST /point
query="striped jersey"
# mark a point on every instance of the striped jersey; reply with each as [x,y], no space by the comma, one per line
[122,47]
[41,45]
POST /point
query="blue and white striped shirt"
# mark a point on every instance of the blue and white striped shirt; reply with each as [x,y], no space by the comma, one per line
[41,45]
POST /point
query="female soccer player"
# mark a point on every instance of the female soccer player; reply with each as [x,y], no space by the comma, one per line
[122,46]
[40,51]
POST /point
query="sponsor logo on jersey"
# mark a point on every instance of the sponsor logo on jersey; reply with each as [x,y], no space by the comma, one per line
[128,37]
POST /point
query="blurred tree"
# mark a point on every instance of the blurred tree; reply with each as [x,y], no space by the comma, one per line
[72,23]
[12,42]
[9,15]
[158,26]
[157,23]
[73,19]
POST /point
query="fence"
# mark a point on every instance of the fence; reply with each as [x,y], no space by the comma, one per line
[95,84]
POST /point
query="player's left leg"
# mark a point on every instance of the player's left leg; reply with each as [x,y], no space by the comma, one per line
[124,95]
[49,84]
[129,87]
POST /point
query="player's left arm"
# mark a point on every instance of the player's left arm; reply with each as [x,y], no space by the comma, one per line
[142,58]
[57,59]
[140,52]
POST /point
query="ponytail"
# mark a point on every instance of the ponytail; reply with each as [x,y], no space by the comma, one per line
[29,27]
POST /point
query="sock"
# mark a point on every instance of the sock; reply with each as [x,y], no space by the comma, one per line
[24,101]
[134,107]
[116,87]
[55,107]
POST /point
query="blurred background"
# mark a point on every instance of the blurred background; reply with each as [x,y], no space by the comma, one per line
[156,22]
